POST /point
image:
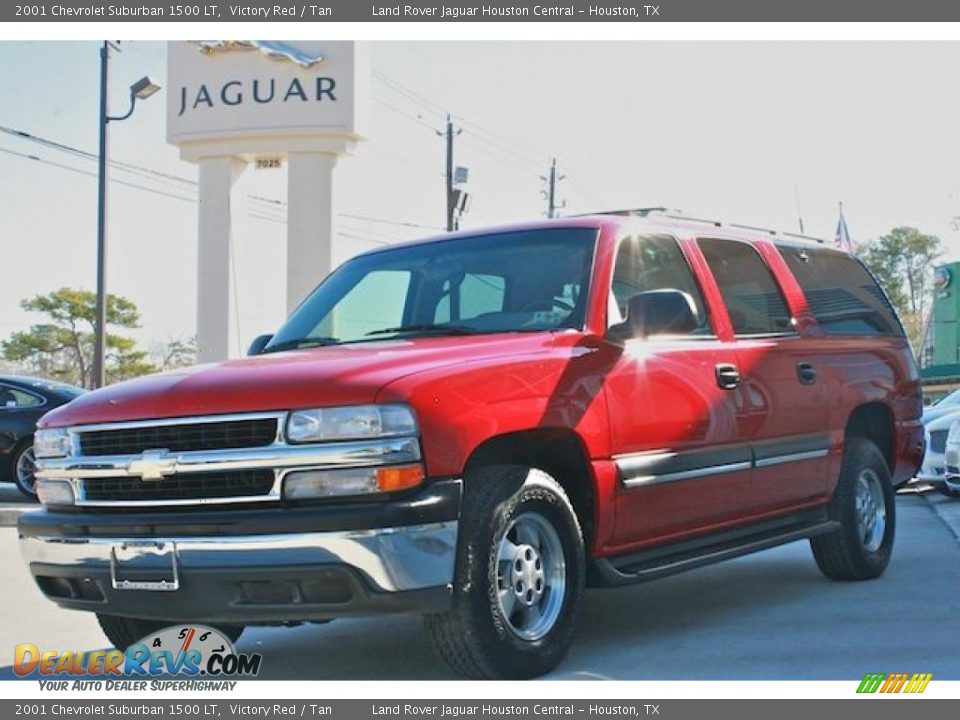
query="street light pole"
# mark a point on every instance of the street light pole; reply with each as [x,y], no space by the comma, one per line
[100,335]
[140,90]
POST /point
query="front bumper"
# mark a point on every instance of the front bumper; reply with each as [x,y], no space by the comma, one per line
[236,566]
[933,467]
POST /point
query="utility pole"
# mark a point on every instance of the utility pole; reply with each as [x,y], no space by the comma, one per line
[451,197]
[551,193]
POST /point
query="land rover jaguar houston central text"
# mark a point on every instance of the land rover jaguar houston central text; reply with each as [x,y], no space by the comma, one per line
[477,427]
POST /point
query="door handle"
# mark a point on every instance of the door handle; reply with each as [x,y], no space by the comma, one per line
[728,376]
[806,373]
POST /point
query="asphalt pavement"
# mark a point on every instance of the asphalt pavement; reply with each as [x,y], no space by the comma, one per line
[12,503]
[770,616]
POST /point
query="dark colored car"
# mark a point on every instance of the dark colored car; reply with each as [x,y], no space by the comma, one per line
[23,401]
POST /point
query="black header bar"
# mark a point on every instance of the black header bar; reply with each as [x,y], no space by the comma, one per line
[493,11]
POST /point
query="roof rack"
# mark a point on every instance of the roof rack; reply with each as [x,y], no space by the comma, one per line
[674,214]
[639,212]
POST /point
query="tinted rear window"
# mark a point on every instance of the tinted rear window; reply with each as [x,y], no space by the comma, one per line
[749,290]
[843,297]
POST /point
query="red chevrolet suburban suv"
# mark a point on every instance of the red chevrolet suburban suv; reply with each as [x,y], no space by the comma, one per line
[476,427]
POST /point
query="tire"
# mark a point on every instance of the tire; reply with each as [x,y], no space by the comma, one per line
[865,505]
[520,547]
[122,632]
[949,492]
[24,465]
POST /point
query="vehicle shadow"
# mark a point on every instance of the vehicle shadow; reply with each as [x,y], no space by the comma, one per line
[769,616]
[685,612]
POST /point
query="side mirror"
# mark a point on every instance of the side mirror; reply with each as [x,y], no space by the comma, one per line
[657,312]
[258,344]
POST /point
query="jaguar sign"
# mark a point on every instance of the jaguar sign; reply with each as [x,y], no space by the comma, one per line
[261,89]
[234,93]
[291,104]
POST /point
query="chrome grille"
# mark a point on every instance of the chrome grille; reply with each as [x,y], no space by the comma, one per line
[188,486]
[186,437]
[202,460]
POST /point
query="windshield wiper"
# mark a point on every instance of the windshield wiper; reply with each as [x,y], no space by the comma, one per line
[298,343]
[427,328]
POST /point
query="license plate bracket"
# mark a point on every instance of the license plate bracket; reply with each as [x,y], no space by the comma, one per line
[144,565]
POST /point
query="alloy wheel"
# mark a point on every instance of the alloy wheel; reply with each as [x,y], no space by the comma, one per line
[871,510]
[531,576]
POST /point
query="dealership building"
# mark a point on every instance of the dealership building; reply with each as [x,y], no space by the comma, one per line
[940,373]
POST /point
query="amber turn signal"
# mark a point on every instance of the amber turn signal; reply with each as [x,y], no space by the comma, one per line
[390,479]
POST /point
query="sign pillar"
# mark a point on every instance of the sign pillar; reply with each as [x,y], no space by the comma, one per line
[311,209]
[216,314]
[230,102]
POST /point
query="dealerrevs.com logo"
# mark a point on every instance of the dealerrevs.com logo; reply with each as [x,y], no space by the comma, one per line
[179,650]
[894,682]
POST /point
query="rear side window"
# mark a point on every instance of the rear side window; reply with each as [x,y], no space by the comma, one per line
[843,297]
[750,292]
[15,398]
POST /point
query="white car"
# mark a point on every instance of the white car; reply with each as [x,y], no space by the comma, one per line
[951,475]
[935,431]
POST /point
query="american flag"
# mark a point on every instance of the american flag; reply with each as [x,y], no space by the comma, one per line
[841,238]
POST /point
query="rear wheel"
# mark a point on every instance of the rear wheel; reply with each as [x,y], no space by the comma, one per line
[122,632]
[865,506]
[519,577]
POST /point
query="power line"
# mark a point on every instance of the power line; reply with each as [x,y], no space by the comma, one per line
[414,118]
[43,161]
[401,158]
[518,159]
[353,216]
[363,239]
[527,170]
[130,167]
[535,156]
[409,94]
[505,144]
[390,222]
[150,171]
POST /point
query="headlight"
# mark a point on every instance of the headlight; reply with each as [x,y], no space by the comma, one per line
[350,423]
[51,443]
[954,435]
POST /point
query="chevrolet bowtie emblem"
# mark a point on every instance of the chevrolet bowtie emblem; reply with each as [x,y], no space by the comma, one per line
[153,465]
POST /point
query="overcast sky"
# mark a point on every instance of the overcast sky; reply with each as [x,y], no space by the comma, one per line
[735,131]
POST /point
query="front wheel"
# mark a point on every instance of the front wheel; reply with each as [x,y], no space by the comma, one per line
[948,491]
[865,505]
[24,471]
[519,578]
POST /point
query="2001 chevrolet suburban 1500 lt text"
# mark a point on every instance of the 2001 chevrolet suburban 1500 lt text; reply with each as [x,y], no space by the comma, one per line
[476,427]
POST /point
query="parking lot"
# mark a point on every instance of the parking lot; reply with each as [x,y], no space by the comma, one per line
[771,616]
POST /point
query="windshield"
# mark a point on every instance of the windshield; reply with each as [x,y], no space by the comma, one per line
[524,281]
[951,399]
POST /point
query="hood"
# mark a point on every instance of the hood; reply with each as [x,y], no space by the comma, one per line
[933,421]
[314,377]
